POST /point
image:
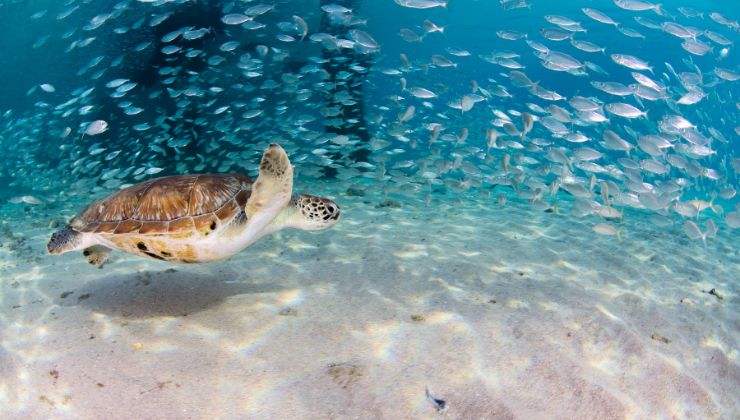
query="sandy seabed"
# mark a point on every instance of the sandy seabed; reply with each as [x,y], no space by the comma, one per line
[499,311]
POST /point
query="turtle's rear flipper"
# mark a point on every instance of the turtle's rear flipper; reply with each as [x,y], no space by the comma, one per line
[64,240]
[97,255]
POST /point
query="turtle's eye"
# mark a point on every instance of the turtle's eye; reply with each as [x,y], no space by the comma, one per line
[332,212]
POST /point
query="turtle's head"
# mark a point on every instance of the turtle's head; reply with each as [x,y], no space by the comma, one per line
[309,212]
[64,240]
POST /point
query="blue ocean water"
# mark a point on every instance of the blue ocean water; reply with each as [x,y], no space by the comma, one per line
[571,164]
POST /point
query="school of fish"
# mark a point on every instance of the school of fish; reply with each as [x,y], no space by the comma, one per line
[636,138]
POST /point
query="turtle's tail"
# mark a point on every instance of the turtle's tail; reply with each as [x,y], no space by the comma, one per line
[64,240]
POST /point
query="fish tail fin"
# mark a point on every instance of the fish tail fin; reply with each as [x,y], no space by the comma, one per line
[658,9]
[717,209]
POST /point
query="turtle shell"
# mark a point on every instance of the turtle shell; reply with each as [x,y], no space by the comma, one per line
[168,205]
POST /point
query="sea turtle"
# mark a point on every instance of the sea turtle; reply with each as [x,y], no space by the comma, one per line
[195,218]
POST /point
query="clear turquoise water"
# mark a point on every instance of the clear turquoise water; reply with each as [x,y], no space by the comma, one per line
[433,228]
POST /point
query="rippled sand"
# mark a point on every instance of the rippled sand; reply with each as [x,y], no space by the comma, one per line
[500,311]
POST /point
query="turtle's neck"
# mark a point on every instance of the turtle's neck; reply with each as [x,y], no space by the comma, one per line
[259,225]
[289,217]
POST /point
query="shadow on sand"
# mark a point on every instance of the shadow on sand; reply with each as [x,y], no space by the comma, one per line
[150,294]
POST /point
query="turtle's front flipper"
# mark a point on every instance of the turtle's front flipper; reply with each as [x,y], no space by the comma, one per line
[271,192]
[97,255]
[274,185]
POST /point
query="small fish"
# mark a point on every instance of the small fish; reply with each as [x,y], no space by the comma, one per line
[235,19]
[631,62]
[555,34]
[364,39]
[586,46]
[229,46]
[678,30]
[726,74]
[301,25]
[733,219]
[408,114]
[422,93]
[722,20]
[608,212]
[624,110]
[421,4]
[430,27]
[510,35]
[96,127]
[491,137]
[598,16]
[717,38]
[336,9]
[691,97]
[630,32]
[692,230]
[442,61]
[408,35]
[606,229]
[587,154]
[457,52]
[28,199]
[259,9]
[638,6]
[527,123]
[439,404]
[612,141]
[696,47]
[116,83]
